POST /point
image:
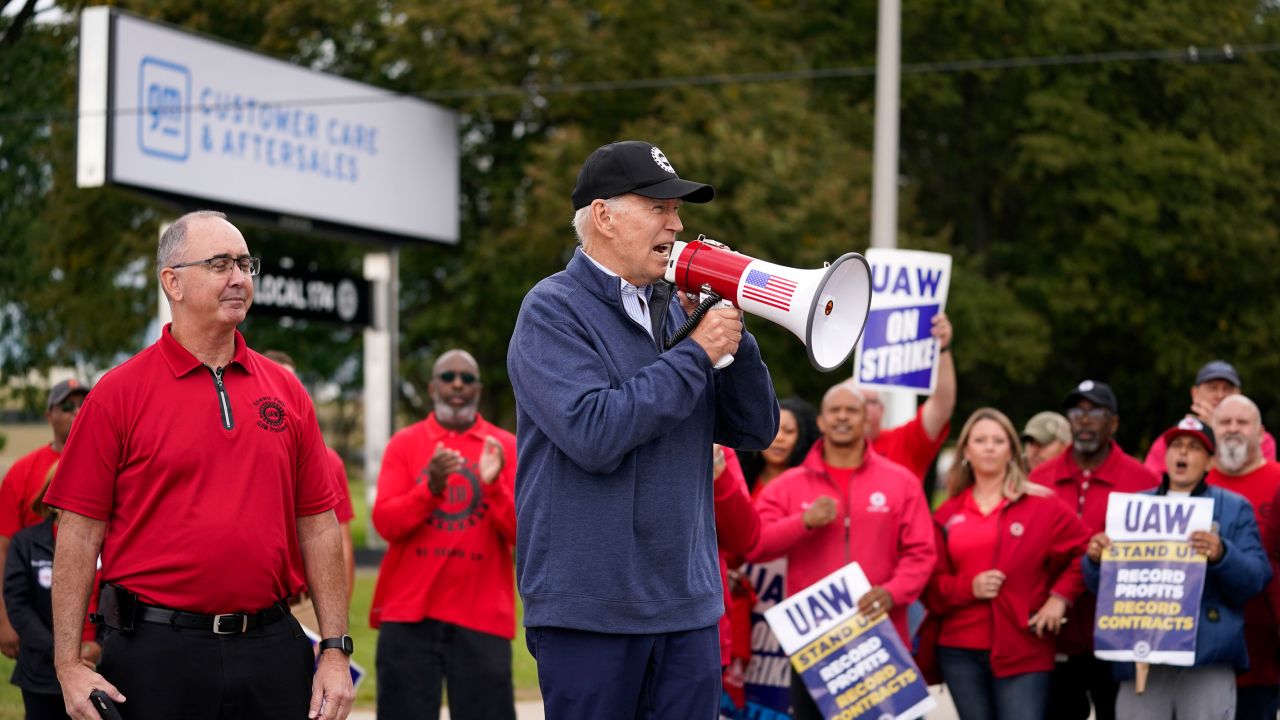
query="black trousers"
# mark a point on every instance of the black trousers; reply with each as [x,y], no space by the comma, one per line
[44,707]
[172,673]
[1076,683]
[416,660]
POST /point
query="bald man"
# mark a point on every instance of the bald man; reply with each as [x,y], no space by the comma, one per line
[1241,467]
[445,599]
[847,503]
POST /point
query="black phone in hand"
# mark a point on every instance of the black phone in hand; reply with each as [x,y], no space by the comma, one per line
[103,704]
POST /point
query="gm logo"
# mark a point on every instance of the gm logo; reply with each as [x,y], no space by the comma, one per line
[164,99]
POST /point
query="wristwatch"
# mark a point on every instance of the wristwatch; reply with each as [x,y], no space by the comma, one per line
[338,643]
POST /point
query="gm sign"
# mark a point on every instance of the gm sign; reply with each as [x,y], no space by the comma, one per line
[164,97]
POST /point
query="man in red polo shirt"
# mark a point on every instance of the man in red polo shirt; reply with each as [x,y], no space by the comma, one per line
[1240,467]
[445,601]
[1084,477]
[198,472]
[25,480]
[915,444]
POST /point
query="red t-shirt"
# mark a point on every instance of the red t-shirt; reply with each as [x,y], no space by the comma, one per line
[200,498]
[1259,487]
[971,548]
[448,558]
[909,445]
[345,511]
[21,485]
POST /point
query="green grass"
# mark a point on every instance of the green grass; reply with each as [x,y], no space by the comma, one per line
[524,669]
[10,695]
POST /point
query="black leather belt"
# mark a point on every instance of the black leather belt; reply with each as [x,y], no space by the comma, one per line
[224,624]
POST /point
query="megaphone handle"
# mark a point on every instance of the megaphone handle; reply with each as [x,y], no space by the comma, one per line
[727,360]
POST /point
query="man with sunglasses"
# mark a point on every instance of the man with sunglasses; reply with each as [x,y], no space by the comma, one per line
[27,477]
[197,470]
[445,600]
[1084,477]
[617,559]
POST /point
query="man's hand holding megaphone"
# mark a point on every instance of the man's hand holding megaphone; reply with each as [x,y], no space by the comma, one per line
[719,331]
[826,307]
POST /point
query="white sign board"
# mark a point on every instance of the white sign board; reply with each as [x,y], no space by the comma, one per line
[897,352]
[167,111]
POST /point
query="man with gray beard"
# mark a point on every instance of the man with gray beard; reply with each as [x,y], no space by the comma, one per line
[1241,467]
[445,599]
[1084,477]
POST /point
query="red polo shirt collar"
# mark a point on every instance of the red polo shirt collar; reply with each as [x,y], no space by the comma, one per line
[476,430]
[1104,473]
[181,361]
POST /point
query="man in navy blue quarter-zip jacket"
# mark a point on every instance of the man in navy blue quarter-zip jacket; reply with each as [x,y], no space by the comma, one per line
[616,545]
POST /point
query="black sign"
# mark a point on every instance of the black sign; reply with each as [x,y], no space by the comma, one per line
[302,294]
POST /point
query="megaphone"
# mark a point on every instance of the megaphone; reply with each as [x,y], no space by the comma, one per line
[826,307]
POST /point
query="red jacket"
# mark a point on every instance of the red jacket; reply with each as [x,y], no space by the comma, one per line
[1038,547]
[1086,491]
[737,529]
[882,524]
[448,558]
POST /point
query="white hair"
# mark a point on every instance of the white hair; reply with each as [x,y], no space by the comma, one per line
[582,218]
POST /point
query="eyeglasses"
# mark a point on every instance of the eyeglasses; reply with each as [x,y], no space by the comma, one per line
[221,264]
[68,406]
[449,376]
[1096,413]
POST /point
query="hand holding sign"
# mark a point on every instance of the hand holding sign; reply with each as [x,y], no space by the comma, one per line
[1207,543]
[875,602]
[1098,544]
[940,329]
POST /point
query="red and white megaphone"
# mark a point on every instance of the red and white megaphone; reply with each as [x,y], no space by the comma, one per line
[826,307]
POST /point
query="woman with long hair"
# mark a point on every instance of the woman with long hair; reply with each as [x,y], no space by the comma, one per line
[797,432]
[1008,566]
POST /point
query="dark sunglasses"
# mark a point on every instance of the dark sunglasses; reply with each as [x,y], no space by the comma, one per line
[68,406]
[449,376]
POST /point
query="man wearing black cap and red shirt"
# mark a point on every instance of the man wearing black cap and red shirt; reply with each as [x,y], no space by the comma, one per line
[1084,477]
[616,541]
[1215,381]
[1237,569]
[25,479]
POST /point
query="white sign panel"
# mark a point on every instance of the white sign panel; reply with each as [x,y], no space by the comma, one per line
[897,351]
[193,117]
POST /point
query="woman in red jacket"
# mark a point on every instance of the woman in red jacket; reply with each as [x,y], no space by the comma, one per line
[1008,566]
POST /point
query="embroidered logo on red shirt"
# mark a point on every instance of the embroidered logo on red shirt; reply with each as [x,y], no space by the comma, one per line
[271,414]
[878,503]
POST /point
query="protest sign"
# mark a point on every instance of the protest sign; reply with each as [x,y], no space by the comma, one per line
[852,667]
[897,352]
[768,675]
[1151,581]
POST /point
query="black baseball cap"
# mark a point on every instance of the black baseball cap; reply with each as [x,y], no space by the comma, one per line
[1218,370]
[633,166]
[1096,392]
[64,390]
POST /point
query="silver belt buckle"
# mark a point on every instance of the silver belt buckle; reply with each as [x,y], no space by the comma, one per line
[217,624]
